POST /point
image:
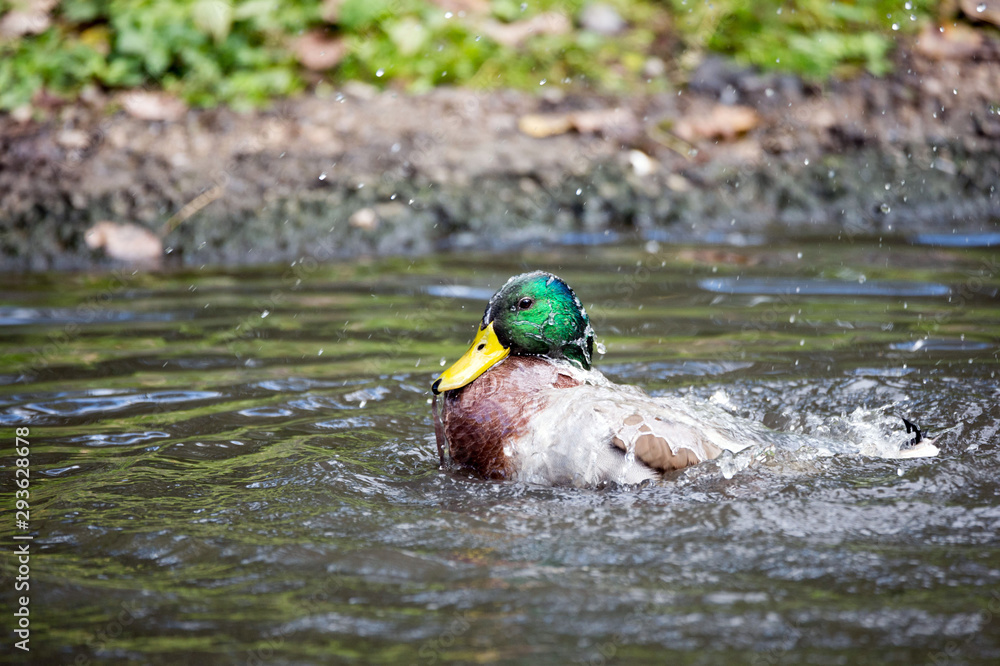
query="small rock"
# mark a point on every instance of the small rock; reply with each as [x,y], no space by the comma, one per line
[602,19]
[73,139]
[678,183]
[541,125]
[126,242]
[21,114]
[365,219]
[642,164]
[392,211]
[654,68]
[359,90]
[150,105]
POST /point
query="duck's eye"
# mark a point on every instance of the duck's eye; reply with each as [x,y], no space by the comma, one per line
[525,303]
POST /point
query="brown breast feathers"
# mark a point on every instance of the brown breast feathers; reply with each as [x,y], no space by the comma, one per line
[479,418]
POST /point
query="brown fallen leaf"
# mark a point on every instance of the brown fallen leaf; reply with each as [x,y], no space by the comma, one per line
[319,52]
[608,122]
[151,105]
[514,34]
[722,122]
[30,18]
[955,41]
[126,242]
[982,10]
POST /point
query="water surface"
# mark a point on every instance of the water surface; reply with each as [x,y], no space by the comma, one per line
[238,466]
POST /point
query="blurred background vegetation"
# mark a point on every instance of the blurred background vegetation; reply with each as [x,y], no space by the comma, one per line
[247,52]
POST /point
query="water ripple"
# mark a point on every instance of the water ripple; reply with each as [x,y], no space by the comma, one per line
[817,287]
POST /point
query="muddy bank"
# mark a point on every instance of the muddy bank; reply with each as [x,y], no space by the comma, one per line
[366,172]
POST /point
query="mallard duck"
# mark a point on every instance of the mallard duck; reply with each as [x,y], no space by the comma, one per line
[525,402]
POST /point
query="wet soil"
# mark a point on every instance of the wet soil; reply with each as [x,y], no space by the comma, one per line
[361,171]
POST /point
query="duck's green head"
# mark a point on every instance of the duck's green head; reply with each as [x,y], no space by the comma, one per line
[534,314]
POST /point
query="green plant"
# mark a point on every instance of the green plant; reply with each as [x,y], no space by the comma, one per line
[815,38]
[240,52]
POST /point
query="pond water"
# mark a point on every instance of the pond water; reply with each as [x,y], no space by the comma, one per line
[238,466]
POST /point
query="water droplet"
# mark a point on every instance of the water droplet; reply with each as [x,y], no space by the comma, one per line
[887,186]
[981,7]
[579,191]
[442,363]
[807,162]
[779,11]
[263,315]
[895,26]
[884,209]
[908,5]
[448,15]
[543,82]
[524,6]
[601,349]
[478,38]
[379,72]
[322,176]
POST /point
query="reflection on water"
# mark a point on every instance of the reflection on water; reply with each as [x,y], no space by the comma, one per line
[239,466]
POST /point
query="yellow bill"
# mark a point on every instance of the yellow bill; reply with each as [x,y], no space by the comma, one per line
[485,352]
